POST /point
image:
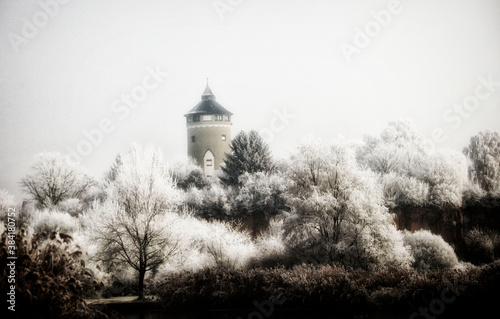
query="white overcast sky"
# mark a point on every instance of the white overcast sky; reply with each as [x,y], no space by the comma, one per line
[264,56]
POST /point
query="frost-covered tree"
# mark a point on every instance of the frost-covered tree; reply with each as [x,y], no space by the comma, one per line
[484,153]
[338,213]
[446,175]
[188,174]
[261,197]
[6,201]
[399,149]
[249,154]
[129,226]
[263,193]
[404,190]
[113,170]
[401,133]
[54,178]
[411,174]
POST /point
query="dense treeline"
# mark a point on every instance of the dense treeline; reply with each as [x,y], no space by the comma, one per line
[327,205]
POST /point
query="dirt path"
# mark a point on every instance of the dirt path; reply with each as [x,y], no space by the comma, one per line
[121,300]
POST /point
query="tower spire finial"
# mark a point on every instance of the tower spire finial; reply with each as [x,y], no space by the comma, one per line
[207,94]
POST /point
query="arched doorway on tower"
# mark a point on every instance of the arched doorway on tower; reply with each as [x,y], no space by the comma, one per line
[208,163]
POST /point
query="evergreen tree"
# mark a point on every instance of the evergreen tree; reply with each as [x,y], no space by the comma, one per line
[249,154]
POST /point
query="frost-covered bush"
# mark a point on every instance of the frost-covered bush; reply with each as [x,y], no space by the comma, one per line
[207,244]
[479,246]
[188,174]
[72,206]
[209,203]
[430,251]
[51,280]
[46,221]
[93,194]
[271,249]
[90,250]
[227,246]
[473,194]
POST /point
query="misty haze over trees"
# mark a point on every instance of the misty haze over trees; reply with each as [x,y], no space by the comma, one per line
[328,205]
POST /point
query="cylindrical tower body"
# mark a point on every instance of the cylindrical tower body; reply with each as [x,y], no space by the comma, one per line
[208,133]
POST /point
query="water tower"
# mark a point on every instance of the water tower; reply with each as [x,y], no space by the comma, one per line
[208,132]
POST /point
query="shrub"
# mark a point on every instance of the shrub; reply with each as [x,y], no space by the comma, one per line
[479,247]
[45,222]
[271,249]
[209,203]
[188,174]
[99,272]
[72,206]
[430,251]
[202,244]
[50,278]
[121,283]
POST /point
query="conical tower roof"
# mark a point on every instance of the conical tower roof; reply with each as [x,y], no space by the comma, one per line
[208,105]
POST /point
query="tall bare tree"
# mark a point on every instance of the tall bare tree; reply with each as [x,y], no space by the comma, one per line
[54,178]
[130,226]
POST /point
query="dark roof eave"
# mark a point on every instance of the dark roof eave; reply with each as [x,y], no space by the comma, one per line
[211,113]
[209,107]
